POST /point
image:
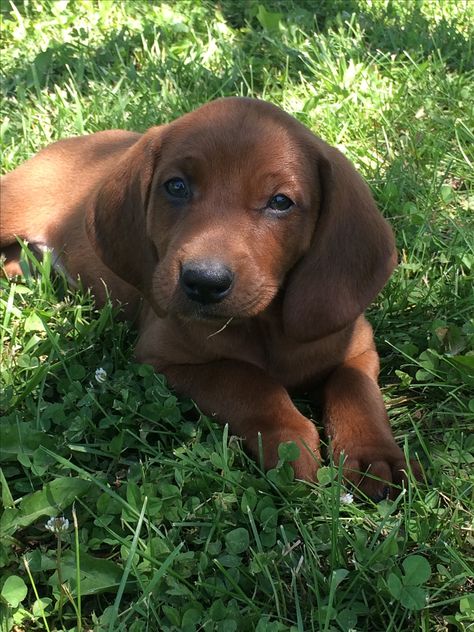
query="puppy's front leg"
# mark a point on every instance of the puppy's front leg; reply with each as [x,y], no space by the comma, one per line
[252,403]
[357,423]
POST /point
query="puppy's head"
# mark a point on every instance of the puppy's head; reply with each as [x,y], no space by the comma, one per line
[214,214]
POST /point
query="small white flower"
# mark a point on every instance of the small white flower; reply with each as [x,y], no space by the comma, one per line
[57,525]
[101,375]
[347,499]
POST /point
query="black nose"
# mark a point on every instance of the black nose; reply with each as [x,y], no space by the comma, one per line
[206,281]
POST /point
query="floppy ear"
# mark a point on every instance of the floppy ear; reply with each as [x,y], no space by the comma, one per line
[116,217]
[351,256]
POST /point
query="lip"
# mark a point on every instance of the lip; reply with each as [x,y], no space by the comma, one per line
[214,314]
[206,315]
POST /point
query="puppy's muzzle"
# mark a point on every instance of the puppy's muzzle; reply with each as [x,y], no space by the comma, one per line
[206,282]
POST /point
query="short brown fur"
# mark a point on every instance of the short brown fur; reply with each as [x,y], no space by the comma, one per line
[302,279]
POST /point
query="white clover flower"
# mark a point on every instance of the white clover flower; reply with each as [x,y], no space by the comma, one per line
[100,375]
[347,499]
[57,525]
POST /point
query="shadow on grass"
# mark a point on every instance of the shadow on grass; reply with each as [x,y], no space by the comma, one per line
[391,31]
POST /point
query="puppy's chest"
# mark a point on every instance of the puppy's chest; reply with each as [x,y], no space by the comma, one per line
[295,364]
[290,363]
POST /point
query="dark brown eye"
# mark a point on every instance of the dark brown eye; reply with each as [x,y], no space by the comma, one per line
[280,202]
[177,188]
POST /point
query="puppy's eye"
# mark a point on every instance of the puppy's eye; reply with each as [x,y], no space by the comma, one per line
[177,188]
[280,202]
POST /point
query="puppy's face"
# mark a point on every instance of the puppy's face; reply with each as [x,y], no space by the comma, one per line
[211,215]
[230,211]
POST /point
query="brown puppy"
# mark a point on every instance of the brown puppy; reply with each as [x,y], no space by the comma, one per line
[256,248]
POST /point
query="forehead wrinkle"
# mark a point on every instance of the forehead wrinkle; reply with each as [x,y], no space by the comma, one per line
[255,158]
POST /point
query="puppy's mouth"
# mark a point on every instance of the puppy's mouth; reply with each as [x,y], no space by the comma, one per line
[233,308]
[211,313]
[213,292]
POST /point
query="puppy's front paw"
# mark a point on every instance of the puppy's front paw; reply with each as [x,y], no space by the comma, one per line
[378,471]
[304,434]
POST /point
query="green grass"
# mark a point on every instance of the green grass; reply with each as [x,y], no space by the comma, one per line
[177,529]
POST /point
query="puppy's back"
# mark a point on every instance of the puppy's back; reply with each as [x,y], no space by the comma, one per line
[44,202]
[45,191]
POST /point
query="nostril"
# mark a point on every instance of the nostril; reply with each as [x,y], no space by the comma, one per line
[222,284]
[206,281]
